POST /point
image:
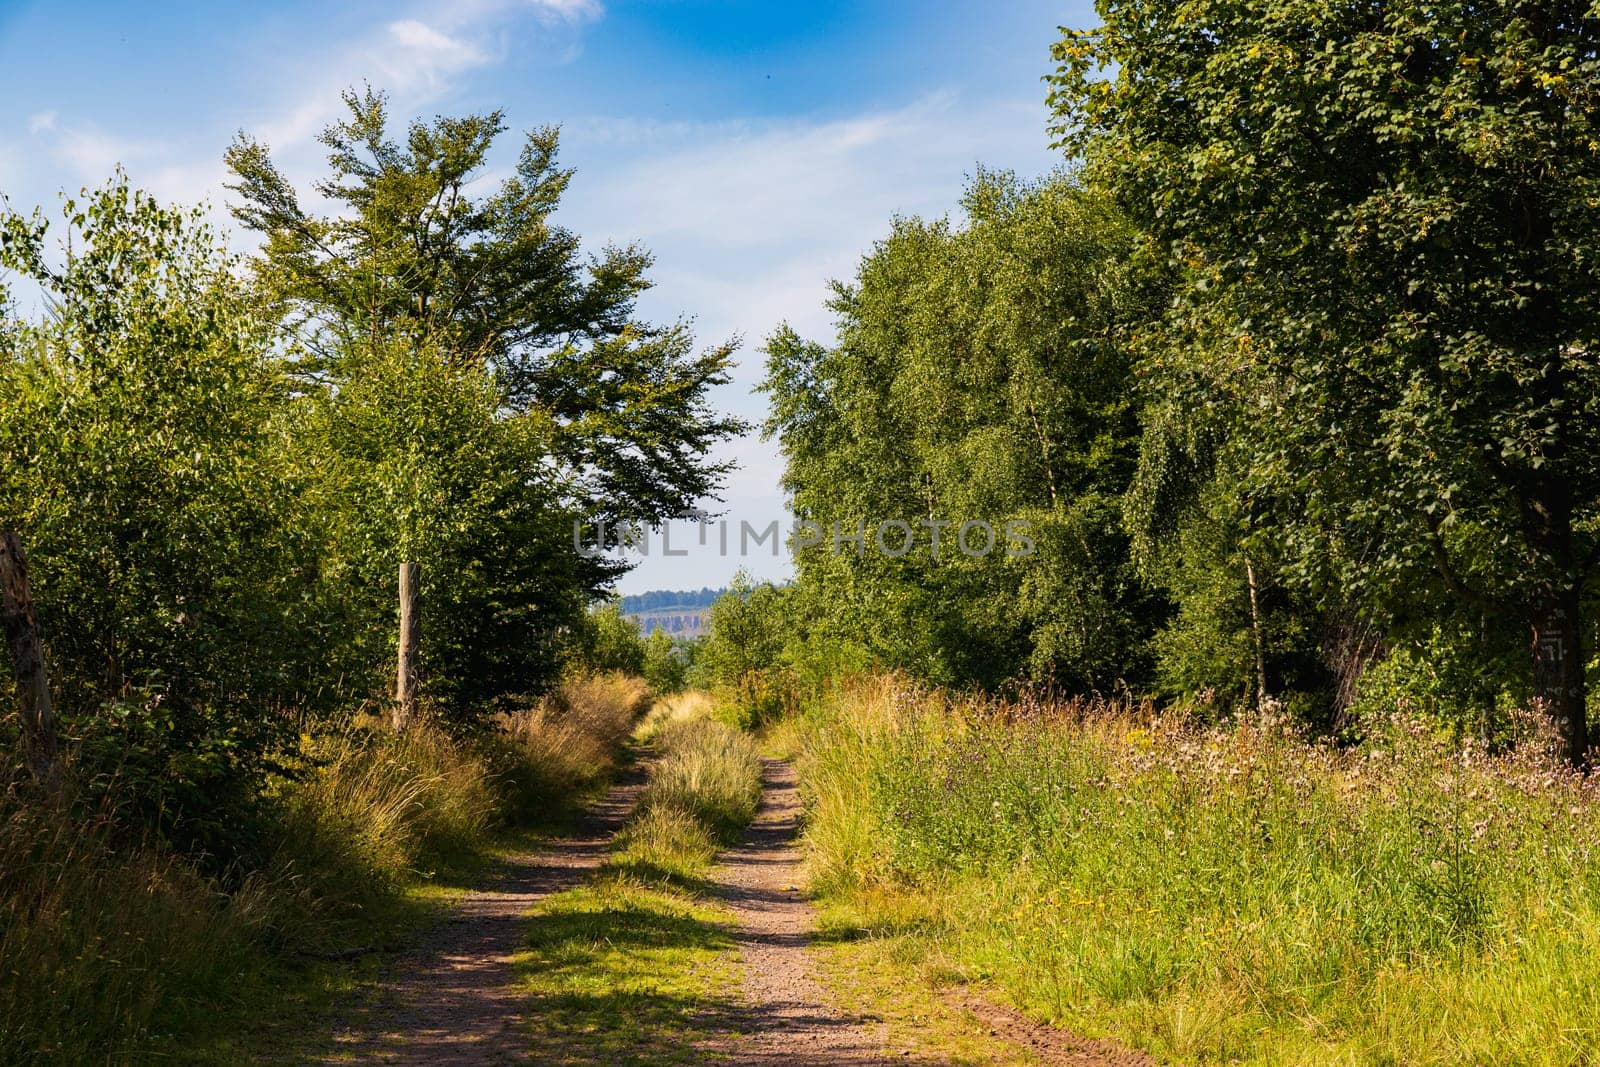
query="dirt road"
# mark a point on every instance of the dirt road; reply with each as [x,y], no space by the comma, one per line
[453,1000]
[789,1019]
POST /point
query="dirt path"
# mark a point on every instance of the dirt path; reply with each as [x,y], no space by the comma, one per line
[790,1019]
[453,999]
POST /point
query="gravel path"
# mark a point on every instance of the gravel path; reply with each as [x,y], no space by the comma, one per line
[790,1019]
[453,999]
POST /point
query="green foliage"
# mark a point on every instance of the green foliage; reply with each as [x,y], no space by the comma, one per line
[747,630]
[613,642]
[1452,679]
[217,479]
[982,373]
[418,460]
[144,427]
[666,664]
[1385,221]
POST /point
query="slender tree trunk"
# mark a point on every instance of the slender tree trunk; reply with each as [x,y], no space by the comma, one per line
[405,683]
[27,658]
[1555,612]
[1262,696]
[1556,642]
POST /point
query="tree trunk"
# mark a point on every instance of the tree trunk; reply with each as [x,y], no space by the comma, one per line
[1556,641]
[27,658]
[405,683]
[1262,697]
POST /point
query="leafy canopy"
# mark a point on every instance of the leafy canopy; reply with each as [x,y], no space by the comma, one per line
[409,255]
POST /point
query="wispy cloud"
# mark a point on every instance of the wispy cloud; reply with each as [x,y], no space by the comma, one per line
[407,58]
[569,10]
[416,58]
[766,212]
[749,221]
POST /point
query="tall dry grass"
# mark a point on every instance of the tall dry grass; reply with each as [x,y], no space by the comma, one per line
[1220,894]
[554,752]
[112,951]
[99,940]
[703,789]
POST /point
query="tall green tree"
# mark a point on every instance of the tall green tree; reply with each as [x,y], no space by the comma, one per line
[982,373]
[142,425]
[1399,206]
[407,254]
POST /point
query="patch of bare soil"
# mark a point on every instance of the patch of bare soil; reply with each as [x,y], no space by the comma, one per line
[789,1017]
[453,999]
[1047,1044]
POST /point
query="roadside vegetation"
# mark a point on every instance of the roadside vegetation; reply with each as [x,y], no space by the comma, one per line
[216,470]
[117,950]
[635,967]
[1231,893]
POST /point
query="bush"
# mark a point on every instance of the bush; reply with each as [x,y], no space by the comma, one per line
[612,642]
[747,629]
[142,421]
[666,665]
[111,948]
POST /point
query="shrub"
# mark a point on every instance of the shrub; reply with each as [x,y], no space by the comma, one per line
[112,948]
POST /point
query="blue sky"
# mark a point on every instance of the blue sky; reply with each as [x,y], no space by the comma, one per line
[758,149]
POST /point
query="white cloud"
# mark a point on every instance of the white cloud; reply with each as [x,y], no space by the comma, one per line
[92,153]
[41,121]
[570,10]
[428,54]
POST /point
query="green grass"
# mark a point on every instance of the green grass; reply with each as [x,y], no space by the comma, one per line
[113,951]
[1216,895]
[636,968]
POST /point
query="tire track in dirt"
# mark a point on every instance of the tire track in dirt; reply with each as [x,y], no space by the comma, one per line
[790,1018]
[454,999]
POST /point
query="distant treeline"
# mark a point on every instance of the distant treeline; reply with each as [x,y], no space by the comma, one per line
[667,599]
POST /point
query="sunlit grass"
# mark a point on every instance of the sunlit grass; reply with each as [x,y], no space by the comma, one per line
[1219,894]
[636,967]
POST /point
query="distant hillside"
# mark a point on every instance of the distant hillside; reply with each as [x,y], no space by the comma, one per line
[658,599]
[680,613]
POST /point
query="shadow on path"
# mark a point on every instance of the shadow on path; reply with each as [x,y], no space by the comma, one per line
[454,998]
[787,1017]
